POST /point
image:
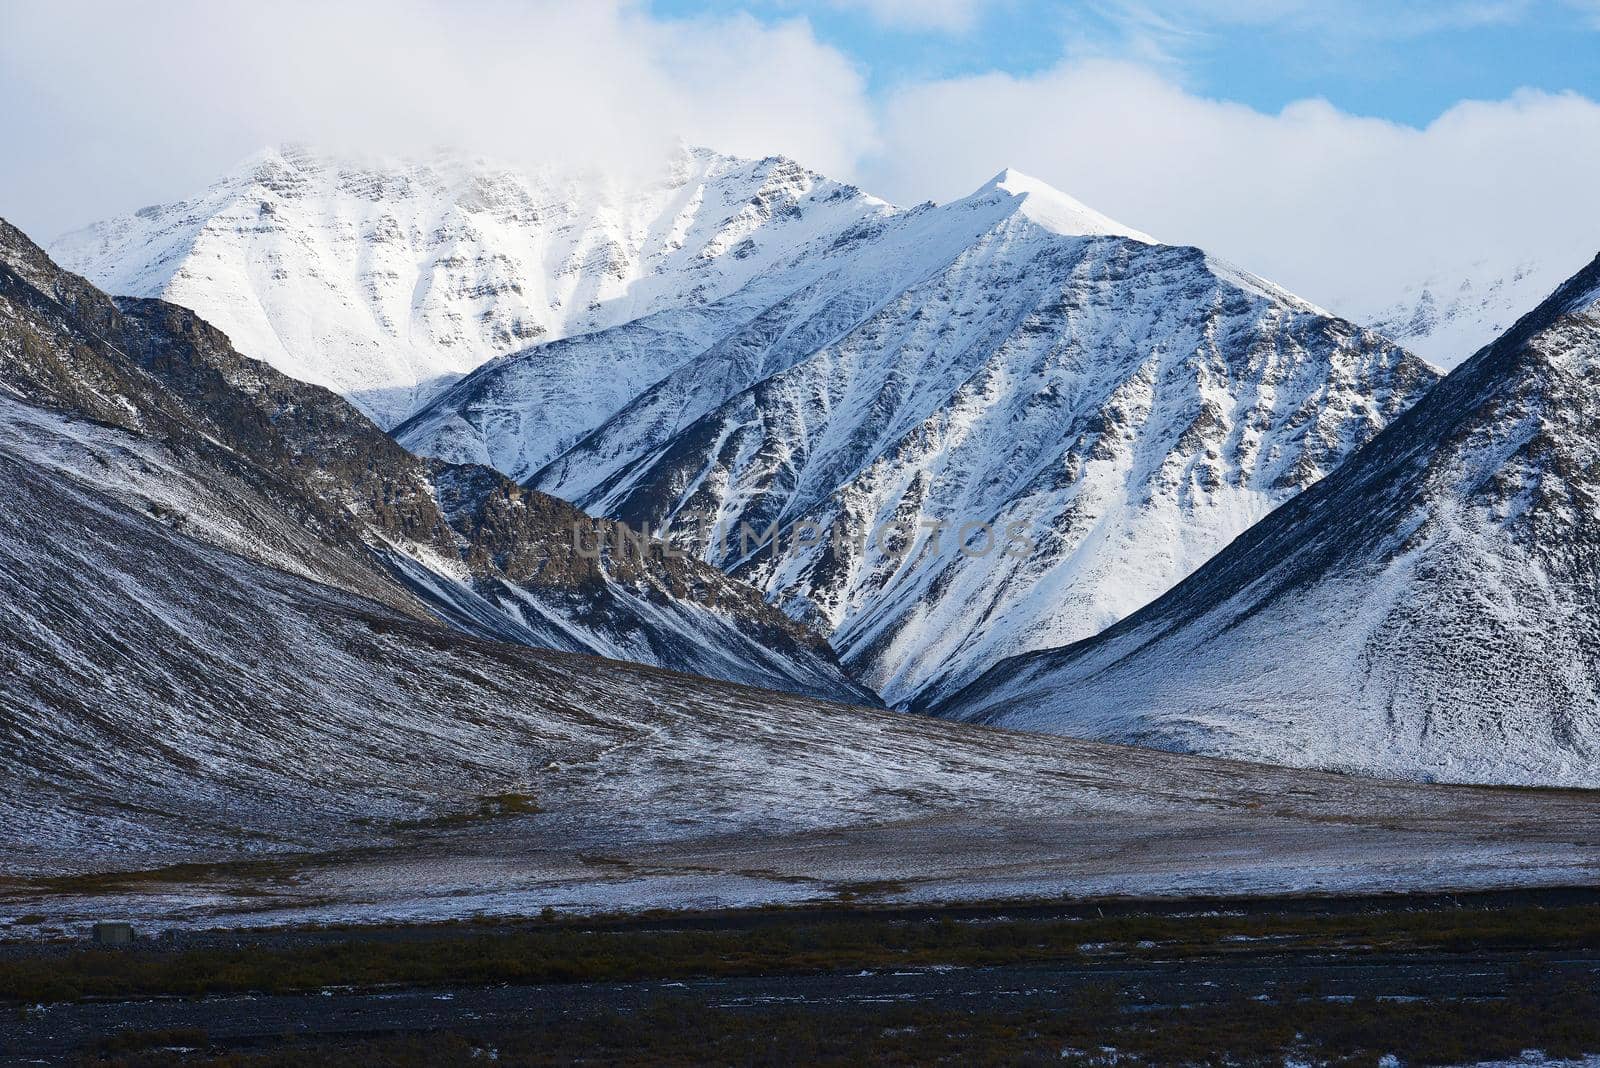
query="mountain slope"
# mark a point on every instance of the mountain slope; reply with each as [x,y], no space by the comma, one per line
[302,755]
[163,698]
[1114,410]
[385,280]
[1430,610]
[181,426]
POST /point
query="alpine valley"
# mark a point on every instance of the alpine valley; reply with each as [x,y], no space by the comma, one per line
[587,597]
[263,667]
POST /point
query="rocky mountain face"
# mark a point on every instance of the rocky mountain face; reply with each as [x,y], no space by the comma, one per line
[981,428]
[1430,610]
[387,280]
[992,426]
[150,404]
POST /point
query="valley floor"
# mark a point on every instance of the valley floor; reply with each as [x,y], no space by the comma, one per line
[1062,820]
[1430,980]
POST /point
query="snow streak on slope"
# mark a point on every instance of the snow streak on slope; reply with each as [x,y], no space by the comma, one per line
[1011,360]
[386,280]
[1429,611]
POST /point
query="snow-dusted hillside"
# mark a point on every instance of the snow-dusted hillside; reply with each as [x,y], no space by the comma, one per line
[152,405]
[166,702]
[1121,408]
[1431,610]
[386,280]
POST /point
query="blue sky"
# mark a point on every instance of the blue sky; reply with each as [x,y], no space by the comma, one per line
[1405,62]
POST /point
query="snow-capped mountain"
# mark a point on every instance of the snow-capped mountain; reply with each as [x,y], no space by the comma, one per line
[146,402]
[763,345]
[387,280]
[1113,410]
[1430,610]
[528,410]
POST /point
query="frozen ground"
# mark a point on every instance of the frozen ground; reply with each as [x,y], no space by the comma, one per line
[48,1034]
[577,860]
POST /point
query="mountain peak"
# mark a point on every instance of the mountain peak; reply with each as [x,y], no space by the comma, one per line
[1055,210]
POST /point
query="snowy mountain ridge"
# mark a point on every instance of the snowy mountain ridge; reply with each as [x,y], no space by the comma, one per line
[1056,211]
[789,350]
[385,280]
[1130,406]
[1428,611]
[524,412]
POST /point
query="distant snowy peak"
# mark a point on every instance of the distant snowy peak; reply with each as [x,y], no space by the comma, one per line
[386,280]
[1055,210]
[1453,311]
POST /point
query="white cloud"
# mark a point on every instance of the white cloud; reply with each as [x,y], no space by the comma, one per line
[112,105]
[1334,206]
